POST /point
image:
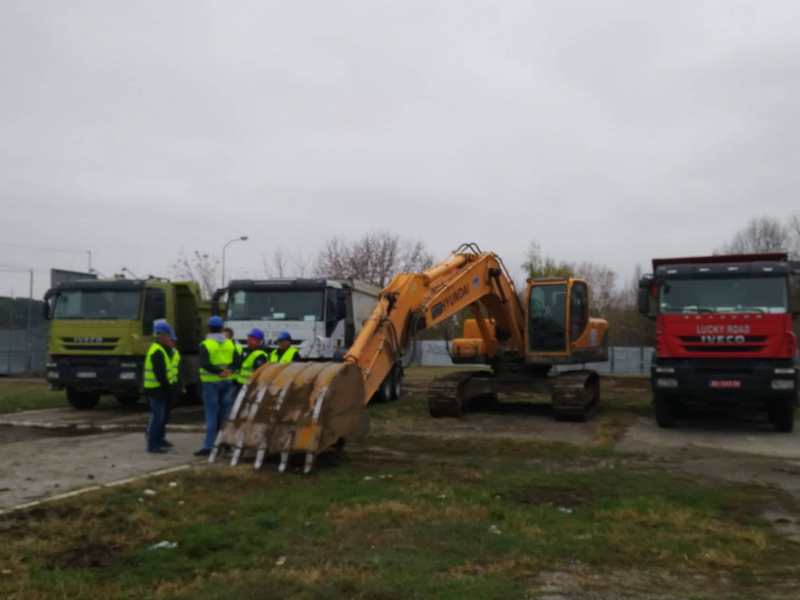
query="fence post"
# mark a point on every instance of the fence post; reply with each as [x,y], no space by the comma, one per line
[612,359]
[641,359]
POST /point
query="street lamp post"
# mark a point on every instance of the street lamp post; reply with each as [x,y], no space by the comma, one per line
[242,238]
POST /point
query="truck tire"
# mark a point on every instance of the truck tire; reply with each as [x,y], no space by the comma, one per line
[397,383]
[384,392]
[782,414]
[127,400]
[82,400]
[665,411]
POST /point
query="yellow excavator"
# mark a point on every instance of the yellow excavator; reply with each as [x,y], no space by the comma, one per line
[309,407]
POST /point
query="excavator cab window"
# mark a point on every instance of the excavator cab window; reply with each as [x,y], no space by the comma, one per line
[547,331]
[578,310]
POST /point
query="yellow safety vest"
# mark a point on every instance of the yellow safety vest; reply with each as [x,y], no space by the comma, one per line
[219,355]
[246,371]
[287,357]
[173,367]
[150,381]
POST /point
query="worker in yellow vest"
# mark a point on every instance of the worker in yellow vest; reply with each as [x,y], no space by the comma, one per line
[285,352]
[218,363]
[253,356]
[157,386]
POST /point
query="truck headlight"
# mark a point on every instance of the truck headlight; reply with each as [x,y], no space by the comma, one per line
[51,365]
[784,371]
[783,384]
[52,374]
[666,382]
[665,369]
[128,365]
[128,376]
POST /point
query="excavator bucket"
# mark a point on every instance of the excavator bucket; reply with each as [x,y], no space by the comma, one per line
[294,408]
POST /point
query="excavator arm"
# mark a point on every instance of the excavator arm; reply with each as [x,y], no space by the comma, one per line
[309,407]
[413,302]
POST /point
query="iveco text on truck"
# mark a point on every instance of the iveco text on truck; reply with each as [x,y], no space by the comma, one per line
[101,330]
[724,333]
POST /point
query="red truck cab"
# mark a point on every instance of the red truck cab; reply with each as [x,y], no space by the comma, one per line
[724,333]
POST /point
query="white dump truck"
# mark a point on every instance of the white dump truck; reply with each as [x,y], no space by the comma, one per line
[323,316]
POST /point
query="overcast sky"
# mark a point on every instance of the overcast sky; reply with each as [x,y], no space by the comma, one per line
[607,131]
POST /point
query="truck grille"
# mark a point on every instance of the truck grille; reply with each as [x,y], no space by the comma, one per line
[751,343]
[89,343]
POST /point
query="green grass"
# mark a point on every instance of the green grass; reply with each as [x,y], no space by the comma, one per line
[27,394]
[446,521]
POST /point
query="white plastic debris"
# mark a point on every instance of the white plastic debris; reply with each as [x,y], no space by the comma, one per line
[565,510]
[367,478]
[173,484]
[164,545]
[181,503]
[495,530]
[149,492]
[442,496]
[280,562]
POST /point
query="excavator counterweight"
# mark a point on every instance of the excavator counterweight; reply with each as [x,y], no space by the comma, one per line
[311,407]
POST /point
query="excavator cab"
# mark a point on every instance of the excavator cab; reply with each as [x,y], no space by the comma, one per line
[560,329]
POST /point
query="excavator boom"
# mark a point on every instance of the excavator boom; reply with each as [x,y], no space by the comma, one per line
[309,407]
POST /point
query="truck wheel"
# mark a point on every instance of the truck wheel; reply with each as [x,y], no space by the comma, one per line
[665,412]
[782,414]
[127,400]
[384,393]
[82,400]
[397,383]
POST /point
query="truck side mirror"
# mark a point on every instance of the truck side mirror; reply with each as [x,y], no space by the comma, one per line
[48,298]
[644,296]
[215,300]
[794,290]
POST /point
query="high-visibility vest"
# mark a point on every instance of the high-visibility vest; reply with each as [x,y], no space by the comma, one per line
[287,356]
[246,370]
[173,367]
[220,354]
[150,381]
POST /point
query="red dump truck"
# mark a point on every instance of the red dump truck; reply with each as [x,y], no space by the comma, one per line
[724,334]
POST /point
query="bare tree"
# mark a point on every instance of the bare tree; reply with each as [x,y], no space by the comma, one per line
[761,234]
[538,265]
[275,266]
[375,257]
[198,267]
[602,282]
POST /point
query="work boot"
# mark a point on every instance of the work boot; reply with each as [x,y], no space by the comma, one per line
[166,444]
[157,451]
[203,452]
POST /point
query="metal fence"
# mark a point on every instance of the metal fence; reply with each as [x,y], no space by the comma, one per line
[622,360]
[23,336]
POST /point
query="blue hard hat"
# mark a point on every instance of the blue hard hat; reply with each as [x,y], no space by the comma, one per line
[283,336]
[215,321]
[256,333]
[161,326]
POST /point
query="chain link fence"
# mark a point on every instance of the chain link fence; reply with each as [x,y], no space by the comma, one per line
[622,360]
[23,336]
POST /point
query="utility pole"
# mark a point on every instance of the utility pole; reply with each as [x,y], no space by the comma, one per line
[242,238]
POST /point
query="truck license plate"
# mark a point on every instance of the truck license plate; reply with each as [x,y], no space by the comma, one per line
[86,375]
[726,384]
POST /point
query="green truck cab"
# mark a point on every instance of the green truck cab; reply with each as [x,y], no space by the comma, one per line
[101,329]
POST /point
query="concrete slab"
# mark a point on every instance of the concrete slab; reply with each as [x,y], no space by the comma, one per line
[36,469]
[183,418]
[730,435]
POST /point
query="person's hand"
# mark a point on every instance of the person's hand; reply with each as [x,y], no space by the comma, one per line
[225,373]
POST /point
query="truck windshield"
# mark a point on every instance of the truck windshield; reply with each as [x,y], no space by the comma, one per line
[276,305]
[97,304]
[751,294]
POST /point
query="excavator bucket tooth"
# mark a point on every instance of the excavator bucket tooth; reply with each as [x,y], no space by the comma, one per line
[293,408]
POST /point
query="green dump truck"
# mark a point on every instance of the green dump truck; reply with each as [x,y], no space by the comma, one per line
[101,329]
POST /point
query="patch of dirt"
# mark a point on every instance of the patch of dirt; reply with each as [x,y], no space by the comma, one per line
[557,496]
[92,555]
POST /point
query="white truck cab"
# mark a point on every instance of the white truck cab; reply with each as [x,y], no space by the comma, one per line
[323,316]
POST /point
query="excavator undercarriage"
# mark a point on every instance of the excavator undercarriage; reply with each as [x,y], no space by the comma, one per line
[311,407]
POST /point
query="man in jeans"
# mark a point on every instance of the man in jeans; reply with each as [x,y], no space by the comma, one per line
[158,387]
[217,365]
